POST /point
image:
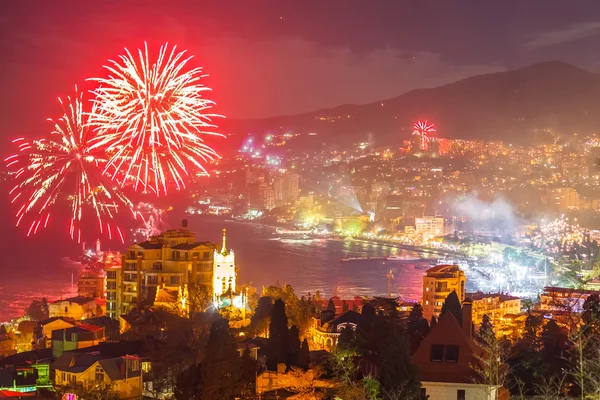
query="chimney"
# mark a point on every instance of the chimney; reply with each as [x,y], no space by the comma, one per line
[467,317]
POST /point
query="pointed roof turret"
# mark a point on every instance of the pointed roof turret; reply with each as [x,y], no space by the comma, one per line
[224,246]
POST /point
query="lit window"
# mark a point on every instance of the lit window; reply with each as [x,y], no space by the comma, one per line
[99,374]
[426,302]
[427,289]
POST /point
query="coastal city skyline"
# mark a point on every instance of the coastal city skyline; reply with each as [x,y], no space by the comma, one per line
[316,201]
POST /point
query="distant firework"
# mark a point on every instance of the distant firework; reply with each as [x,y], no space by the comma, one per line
[558,236]
[423,129]
[150,117]
[62,168]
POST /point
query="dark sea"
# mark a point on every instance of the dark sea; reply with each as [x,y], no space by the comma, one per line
[32,267]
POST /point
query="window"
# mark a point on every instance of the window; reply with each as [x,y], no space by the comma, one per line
[460,394]
[157,266]
[437,353]
[111,295]
[206,255]
[451,353]
[175,280]
[66,309]
[111,275]
[111,285]
[99,374]
[152,280]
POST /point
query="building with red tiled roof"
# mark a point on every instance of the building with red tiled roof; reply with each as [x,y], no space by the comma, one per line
[497,306]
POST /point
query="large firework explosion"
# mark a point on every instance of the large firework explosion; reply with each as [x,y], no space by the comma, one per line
[63,167]
[558,236]
[150,117]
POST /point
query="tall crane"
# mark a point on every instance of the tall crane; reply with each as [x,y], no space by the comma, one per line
[390,277]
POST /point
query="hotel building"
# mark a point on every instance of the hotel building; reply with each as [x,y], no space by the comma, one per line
[172,259]
[438,283]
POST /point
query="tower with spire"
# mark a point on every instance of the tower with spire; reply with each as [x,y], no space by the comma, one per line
[223,269]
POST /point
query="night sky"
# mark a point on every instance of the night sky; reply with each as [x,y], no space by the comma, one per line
[269,58]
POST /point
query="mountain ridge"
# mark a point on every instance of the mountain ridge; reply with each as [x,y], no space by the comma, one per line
[516,105]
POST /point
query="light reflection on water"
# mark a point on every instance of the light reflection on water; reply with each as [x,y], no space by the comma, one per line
[308,265]
[311,265]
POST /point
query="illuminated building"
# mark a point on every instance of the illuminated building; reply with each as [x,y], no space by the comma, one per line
[564,299]
[286,188]
[90,284]
[305,202]
[223,270]
[261,196]
[74,307]
[429,226]
[113,291]
[327,328]
[121,377]
[565,199]
[292,188]
[172,299]
[77,337]
[438,283]
[495,305]
[173,258]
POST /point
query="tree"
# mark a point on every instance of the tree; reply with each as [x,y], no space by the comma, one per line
[591,315]
[486,328]
[347,340]
[433,322]
[346,374]
[555,350]
[260,320]
[417,327]
[452,304]
[490,365]
[398,376]
[300,312]
[344,306]
[249,366]
[221,369]
[304,356]
[199,298]
[331,306]
[372,388]
[278,336]
[531,333]
[188,383]
[38,310]
[293,346]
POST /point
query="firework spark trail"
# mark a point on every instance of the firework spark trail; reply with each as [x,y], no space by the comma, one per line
[150,118]
[63,167]
[423,129]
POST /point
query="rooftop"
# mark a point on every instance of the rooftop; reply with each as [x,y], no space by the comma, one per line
[479,295]
[443,268]
[147,245]
[190,246]
[81,300]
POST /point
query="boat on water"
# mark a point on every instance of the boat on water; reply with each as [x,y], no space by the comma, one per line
[348,259]
[70,262]
[402,258]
